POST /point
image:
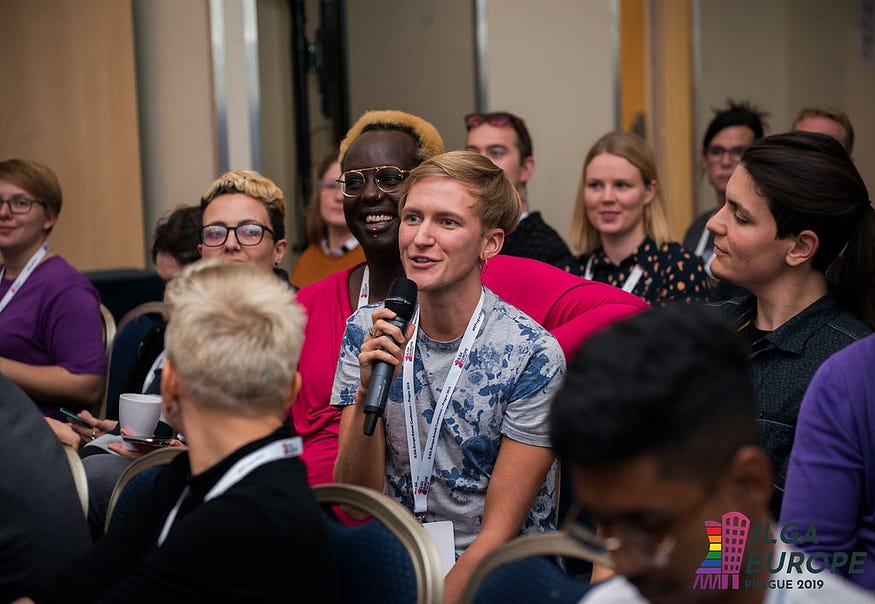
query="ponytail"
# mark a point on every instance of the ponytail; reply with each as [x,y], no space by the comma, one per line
[853,272]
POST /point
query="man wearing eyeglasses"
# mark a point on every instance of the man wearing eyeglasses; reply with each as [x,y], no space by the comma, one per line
[504,139]
[656,421]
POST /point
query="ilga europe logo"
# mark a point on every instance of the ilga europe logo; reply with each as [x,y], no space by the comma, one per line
[726,541]
[725,562]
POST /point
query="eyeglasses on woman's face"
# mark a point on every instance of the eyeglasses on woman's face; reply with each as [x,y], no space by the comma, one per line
[247,234]
[19,204]
[387,178]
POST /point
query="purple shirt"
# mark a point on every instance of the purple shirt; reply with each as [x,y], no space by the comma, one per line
[54,319]
[831,478]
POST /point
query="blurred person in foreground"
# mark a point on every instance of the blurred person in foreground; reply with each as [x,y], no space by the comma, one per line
[233,337]
[656,423]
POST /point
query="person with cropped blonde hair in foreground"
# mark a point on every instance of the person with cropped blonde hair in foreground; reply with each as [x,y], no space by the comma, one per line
[234,334]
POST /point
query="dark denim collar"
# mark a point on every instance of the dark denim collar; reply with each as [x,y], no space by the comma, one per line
[792,335]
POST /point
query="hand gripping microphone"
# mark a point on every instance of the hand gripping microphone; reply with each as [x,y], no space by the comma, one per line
[402,301]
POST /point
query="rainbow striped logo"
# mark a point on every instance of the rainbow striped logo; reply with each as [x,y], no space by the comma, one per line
[726,541]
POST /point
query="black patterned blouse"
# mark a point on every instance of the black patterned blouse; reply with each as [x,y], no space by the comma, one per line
[669,273]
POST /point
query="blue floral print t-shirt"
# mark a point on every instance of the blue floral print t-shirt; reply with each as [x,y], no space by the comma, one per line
[514,370]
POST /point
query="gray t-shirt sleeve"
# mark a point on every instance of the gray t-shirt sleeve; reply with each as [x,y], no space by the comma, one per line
[526,415]
[347,376]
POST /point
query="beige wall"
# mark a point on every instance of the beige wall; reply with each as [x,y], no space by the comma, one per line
[178,137]
[554,66]
[413,55]
[277,133]
[784,55]
[69,101]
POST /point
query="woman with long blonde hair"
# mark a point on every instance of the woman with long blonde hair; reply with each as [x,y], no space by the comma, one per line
[621,230]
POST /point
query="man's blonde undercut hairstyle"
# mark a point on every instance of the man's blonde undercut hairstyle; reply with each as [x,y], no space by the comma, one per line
[234,335]
[496,201]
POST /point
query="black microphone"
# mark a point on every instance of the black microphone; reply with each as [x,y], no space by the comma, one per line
[402,301]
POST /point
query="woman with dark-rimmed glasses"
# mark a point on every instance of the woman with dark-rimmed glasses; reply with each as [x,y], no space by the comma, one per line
[244,220]
[50,331]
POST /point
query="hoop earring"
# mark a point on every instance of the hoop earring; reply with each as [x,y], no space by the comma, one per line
[484,265]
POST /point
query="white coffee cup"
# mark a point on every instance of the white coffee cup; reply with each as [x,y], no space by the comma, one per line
[138,413]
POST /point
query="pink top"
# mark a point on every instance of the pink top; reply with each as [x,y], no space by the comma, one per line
[570,307]
[327,306]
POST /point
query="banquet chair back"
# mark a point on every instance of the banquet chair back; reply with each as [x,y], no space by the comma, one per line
[389,559]
[79,477]
[108,328]
[527,570]
[130,333]
[135,479]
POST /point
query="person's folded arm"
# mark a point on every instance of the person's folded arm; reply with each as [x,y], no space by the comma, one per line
[55,384]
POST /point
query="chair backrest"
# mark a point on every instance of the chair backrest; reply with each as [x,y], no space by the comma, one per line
[525,570]
[132,329]
[107,324]
[135,479]
[79,477]
[388,559]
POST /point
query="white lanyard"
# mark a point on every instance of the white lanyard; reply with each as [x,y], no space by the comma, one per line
[422,464]
[22,277]
[707,256]
[347,246]
[628,285]
[364,292]
[703,241]
[156,365]
[280,449]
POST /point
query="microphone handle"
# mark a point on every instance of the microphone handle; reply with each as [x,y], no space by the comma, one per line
[378,390]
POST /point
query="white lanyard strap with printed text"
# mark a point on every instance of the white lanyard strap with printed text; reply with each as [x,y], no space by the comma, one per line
[630,282]
[422,464]
[280,449]
[364,292]
[25,273]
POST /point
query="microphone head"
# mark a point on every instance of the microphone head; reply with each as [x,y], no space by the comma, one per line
[401,298]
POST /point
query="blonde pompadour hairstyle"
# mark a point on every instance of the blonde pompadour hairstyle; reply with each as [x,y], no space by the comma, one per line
[496,201]
[234,335]
[584,237]
[254,185]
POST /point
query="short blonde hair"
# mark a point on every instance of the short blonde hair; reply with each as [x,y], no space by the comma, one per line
[496,201]
[428,140]
[234,335]
[584,237]
[256,186]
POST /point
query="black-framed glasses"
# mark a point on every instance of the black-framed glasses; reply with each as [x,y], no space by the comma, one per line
[387,178]
[716,152]
[19,204]
[248,233]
